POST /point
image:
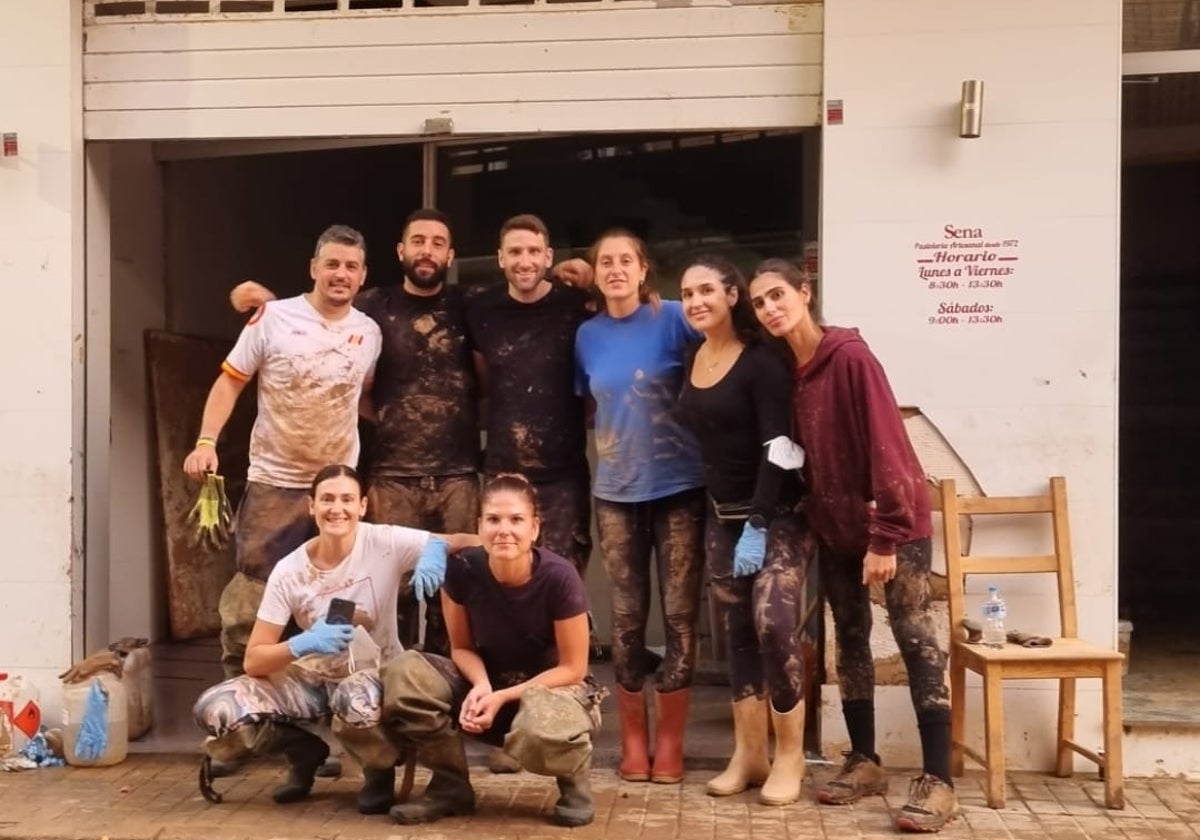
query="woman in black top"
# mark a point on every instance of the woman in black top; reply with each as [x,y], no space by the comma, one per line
[736,399]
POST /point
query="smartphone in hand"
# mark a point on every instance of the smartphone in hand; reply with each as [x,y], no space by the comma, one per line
[341,611]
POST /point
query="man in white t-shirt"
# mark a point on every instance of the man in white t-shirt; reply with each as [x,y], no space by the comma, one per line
[313,355]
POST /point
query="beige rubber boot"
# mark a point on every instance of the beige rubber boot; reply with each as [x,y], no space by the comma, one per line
[787,770]
[749,765]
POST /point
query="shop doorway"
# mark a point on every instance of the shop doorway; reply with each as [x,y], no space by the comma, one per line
[250,212]
[1159,403]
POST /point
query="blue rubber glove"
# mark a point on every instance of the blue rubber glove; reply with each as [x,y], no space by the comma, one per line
[92,740]
[750,551]
[321,638]
[431,568]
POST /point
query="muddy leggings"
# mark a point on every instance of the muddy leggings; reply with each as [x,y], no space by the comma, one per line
[763,616]
[908,605]
[672,528]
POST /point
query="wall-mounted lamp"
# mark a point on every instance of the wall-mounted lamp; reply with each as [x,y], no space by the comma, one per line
[970,109]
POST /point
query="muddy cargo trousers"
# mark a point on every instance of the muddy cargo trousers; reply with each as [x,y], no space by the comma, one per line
[549,732]
[441,504]
[271,523]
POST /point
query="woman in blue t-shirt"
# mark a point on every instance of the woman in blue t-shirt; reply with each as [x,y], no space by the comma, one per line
[649,495]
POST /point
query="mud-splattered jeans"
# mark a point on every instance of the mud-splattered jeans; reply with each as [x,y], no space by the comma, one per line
[444,504]
[271,523]
[765,616]
[909,612]
[565,510]
[672,528]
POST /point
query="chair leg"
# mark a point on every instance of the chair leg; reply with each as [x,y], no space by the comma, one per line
[1114,771]
[1064,763]
[993,724]
[958,713]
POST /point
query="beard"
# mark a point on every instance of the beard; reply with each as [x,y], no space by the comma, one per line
[424,281]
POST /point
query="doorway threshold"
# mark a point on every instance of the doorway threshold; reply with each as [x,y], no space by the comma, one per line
[1163,683]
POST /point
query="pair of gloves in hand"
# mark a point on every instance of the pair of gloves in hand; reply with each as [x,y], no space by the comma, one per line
[328,639]
[211,516]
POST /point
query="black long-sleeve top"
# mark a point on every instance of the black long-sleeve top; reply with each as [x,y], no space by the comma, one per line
[733,420]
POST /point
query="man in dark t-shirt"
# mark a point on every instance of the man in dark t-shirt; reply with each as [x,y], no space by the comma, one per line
[523,335]
[422,459]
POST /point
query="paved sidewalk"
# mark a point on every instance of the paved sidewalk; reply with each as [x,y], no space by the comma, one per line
[154,797]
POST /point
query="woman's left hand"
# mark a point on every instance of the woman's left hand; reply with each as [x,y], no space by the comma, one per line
[878,567]
[479,710]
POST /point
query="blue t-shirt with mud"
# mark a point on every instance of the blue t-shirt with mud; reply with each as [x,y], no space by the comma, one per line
[633,368]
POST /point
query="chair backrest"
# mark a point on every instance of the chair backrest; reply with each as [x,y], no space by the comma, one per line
[958,565]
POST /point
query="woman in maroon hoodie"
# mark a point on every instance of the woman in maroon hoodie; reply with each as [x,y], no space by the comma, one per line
[869,508]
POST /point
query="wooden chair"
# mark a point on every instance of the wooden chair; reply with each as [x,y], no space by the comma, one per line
[1066,659]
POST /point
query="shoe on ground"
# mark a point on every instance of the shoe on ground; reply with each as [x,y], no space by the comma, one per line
[378,792]
[427,809]
[931,804]
[860,776]
[574,807]
[222,769]
[331,768]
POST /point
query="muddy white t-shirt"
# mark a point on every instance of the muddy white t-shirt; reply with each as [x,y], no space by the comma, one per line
[310,377]
[369,576]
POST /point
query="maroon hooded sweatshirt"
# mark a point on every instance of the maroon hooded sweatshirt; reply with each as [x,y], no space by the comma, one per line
[858,452]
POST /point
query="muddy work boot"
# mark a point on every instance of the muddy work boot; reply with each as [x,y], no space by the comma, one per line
[378,791]
[449,792]
[574,806]
[860,776]
[304,752]
[331,768]
[931,804]
[221,769]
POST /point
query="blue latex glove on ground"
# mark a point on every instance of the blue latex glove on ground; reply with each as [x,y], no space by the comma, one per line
[431,568]
[321,638]
[750,551]
[92,740]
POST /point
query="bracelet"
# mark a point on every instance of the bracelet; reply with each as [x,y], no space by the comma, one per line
[206,441]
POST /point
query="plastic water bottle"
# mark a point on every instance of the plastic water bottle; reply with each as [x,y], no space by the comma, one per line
[994,613]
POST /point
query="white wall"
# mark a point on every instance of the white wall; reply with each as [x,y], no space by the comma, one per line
[1032,396]
[497,69]
[41,269]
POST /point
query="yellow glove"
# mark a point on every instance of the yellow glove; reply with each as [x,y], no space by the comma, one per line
[211,515]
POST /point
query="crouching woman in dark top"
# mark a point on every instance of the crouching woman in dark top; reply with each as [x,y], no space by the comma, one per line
[517,672]
[736,398]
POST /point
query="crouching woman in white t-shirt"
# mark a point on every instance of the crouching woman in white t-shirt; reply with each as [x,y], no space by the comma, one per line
[340,589]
